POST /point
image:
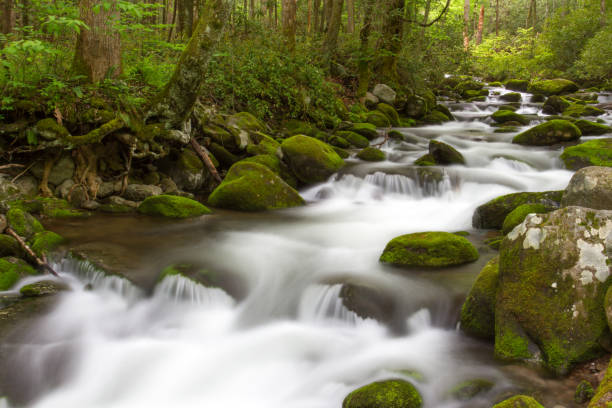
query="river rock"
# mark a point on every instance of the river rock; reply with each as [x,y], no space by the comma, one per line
[241,125]
[493,213]
[224,156]
[429,249]
[478,311]
[172,207]
[555,104]
[435,117]
[549,87]
[62,169]
[366,130]
[9,246]
[553,277]
[273,163]
[577,110]
[505,116]
[384,93]
[187,172]
[117,200]
[393,393]
[511,97]
[45,241]
[589,128]
[517,215]
[443,153]
[390,113]
[517,85]
[378,119]
[108,188]
[519,401]
[263,144]
[43,288]
[371,154]
[597,152]
[138,192]
[549,133]
[311,160]
[24,224]
[253,187]
[590,187]
[12,270]
[367,302]
[469,389]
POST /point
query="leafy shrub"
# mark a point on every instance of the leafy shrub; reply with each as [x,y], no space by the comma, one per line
[595,61]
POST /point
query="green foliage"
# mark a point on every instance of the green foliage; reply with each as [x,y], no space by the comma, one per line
[595,62]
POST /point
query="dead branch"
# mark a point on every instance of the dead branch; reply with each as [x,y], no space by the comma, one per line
[41,263]
[8,167]
[203,153]
[385,139]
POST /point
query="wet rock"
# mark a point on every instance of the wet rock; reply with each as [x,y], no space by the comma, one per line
[168,186]
[263,144]
[435,118]
[367,302]
[337,141]
[390,112]
[384,93]
[12,270]
[549,87]
[505,116]
[584,392]
[230,283]
[273,163]
[311,160]
[590,187]
[378,119]
[471,388]
[172,207]
[589,128]
[596,152]
[23,223]
[46,241]
[553,276]
[58,208]
[355,139]
[478,310]
[577,110]
[444,154]
[425,160]
[518,215]
[493,213]
[511,97]
[9,246]
[187,172]
[366,130]
[519,401]
[429,249]
[371,154]
[384,394]
[549,133]
[138,192]
[555,104]
[117,200]
[253,187]
[463,87]
[517,85]
[43,288]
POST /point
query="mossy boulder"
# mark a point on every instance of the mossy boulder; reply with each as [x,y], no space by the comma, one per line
[254,187]
[511,97]
[187,171]
[519,401]
[338,141]
[468,85]
[505,116]
[435,117]
[589,128]
[353,138]
[549,87]
[23,223]
[389,112]
[262,144]
[584,392]
[443,109]
[444,154]
[469,389]
[49,129]
[429,249]
[9,246]
[311,160]
[596,152]
[603,394]
[371,154]
[172,206]
[517,215]
[378,119]
[493,213]
[220,136]
[553,276]
[224,156]
[45,242]
[384,394]
[43,288]
[555,104]
[549,133]
[590,187]
[242,125]
[425,160]
[366,130]
[341,152]
[276,165]
[576,110]
[59,208]
[12,270]
[520,85]
[478,310]
[367,301]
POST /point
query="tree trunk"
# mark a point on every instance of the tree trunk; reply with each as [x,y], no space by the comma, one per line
[188,23]
[350,16]
[175,102]
[480,25]
[392,36]
[330,45]
[8,16]
[288,20]
[425,18]
[25,13]
[309,17]
[365,57]
[316,7]
[603,13]
[252,10]
[98,49]
[466,24]
[496,18]
[329,6]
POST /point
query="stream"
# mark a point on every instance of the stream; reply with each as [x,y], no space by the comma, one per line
[285,339]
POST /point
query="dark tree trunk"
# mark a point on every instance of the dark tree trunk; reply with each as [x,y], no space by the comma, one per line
[330,45]
[8,16]
[350,16]
[288,20]
[392,37]
[316,7]
[365,56]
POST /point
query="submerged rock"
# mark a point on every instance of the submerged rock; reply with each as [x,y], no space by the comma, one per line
[553,276]
[384,394]
[519,401]
[478,310]
[549,133]
[443,153]
[471,388]
[590,187]
[172,207]
[596,152]
[429,249]
[311,160]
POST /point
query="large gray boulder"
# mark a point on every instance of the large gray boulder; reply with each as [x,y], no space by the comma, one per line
[590,187]
[385,93]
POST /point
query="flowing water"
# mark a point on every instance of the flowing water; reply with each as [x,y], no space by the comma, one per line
[284,338]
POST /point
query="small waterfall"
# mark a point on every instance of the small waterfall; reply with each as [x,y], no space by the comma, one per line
[180,289]
[322,303]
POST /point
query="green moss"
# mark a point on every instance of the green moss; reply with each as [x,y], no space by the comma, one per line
[495,84]
[444,154]
[276,165]
[511,344]
[341,152]
[425,160]
[172,207]
[429,249]
[59,208]
[395,135]
[511,97]
[517,84]
[49,129]
[220,136]
[601,399]
[41,288]
[225,157]
[553,87]
[549,133]
[510,107]
[116,208]
[366,130]
[253,187]
[378,119]
[353,138]
[245,121]
[576,110]
[589,128]
[13,269]
[584,392]
[311,160]
[264,145]
[371,154]
[504,116]
[9,245]
[340,142]
[471,388]
[519,401]
[443,109]
[384,394]
[435,118]
[478,311]
[517,215]
[298,127]
[189,160]
[23,223]
[555,104]
[463,87]
[45,241]
[390,112]
[596,152]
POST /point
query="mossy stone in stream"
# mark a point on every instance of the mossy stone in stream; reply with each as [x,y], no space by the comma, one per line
[172,207]
[341,152]
[13,269]
[393,393]
[505,116]
[435,118]
[478,310]
[353,138]
[549,133]
[396,135]
[45,241]
[589,128]
[506,129]
[511,97]
[42,288]
[469,389]
[519,401]
[555,104]
[517,215]
[549,87]
[576,110]
[311,160]
[276,165]
[444,154]
[59,208]
[340,142]
[254,187]
[517,85]
[366,130]
[371,154]
[509,107]
[23,223]
[378,119]
[389,112]
[597,152]
[429,249]
[9,245]
[425,160]
[584,392]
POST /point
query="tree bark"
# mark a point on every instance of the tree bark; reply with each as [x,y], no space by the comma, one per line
[98,49]
[316,7]
[330,44]
[603,13]
[350,16]
[480,25]
[364,50]
[329,6]
[288,20]
[496,18]
[425,18]
[8,16]
[466,24]
[309,17]
[392,36]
